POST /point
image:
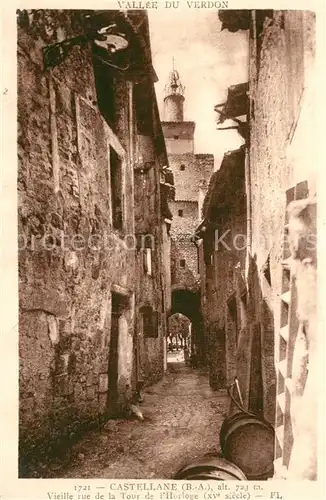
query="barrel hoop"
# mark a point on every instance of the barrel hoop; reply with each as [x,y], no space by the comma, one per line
[246,422]
[202,468]
[201,477]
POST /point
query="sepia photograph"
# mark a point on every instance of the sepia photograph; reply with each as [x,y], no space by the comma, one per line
[167,243]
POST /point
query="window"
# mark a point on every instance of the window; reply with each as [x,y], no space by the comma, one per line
[106,89]
[149,322]
[180,213]
[148,261]
[116,189]
[175,137]
[145,244]
[182,263]
[182,167]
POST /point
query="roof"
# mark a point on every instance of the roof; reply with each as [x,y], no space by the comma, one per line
[237,102]
[234,20]
[224,184]
[204,156]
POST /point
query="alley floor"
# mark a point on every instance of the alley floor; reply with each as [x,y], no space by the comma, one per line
[182,419]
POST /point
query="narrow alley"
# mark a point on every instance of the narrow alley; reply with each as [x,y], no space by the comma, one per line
[167,255]
[182,416]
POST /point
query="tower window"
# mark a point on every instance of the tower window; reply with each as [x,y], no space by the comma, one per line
[182,167]
[175,137]
[182,263]
[180,213]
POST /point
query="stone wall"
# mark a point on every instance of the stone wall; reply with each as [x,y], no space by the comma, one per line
[196,171]
[222,264]
[281,88]
[151,288]
[65,282]
[179,137]
[184,271]
[282,159]
[189,173]
[280,111]
[71,260]
[184,223]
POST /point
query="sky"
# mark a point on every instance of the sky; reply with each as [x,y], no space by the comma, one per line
[208,61]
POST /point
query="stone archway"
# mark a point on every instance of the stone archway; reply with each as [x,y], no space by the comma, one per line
[187,303]
[179,332]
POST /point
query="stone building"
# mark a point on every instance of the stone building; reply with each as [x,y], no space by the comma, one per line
[191,173]
[92,181]
[224,217]
[153,190]
[267,317]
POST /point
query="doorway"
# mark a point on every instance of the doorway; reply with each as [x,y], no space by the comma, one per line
[120,304]
[178,342]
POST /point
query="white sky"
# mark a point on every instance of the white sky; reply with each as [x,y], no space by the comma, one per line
[208,61]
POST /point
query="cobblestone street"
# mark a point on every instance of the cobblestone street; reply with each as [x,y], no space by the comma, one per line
[182,421]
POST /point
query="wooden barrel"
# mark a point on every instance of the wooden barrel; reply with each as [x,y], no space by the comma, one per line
[248,442]
[210,468]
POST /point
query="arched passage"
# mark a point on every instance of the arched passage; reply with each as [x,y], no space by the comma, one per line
[187,303]
[178,338]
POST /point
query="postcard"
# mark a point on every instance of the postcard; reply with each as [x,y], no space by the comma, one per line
[162,245]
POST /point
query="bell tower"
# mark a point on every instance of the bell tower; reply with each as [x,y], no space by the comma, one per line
[174,98]
[191,173]
[178,134]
